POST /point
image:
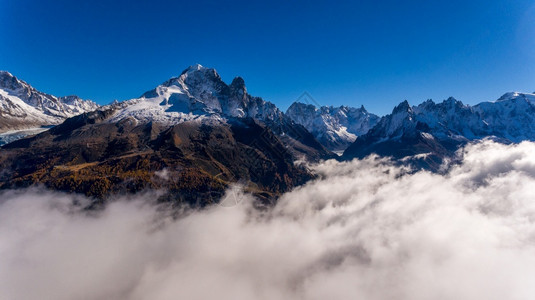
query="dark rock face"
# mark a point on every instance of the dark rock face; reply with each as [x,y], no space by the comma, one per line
[203,92]
[194,135]
[237,138]
[439,129]
[409,145]
[192,162]
[400,135]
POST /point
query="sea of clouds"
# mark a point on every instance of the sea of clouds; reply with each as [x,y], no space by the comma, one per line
[365,230]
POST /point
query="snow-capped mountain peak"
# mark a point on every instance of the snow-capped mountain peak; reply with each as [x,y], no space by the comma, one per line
[195,67]
[23,107]
[400,120]
[199,92]
[517,95]
[439,128]
[334,127]
[402,108]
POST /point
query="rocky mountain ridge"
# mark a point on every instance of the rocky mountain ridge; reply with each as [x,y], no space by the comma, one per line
[194,135]
[438,129]
[203,134]
[335,127]
[25,109]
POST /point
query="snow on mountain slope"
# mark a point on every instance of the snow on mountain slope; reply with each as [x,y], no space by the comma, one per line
[24,107]
[440,128]
[517,95]
[16,111]
[511,117]
[198,92]
[400,135]
[334,127]
[451,119]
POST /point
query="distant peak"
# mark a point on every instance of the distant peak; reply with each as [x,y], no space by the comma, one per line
[299,107]
[194,68]
[303,105]
[194,76]
[237,86]
[508,96]
[452,101]
[402,107]
[6,73]
[8,81]
[429,101]
[238,82]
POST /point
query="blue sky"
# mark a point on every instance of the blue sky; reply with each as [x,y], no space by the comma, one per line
[375,53]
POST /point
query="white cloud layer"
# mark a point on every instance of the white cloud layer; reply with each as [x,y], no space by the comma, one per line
[363,231]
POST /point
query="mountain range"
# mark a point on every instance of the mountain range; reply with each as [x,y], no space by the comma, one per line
[25,110]
[194,135]
[335,127]
[434,131]
[191,136]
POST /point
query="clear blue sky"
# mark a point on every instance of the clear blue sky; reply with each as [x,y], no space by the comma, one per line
[375,53]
